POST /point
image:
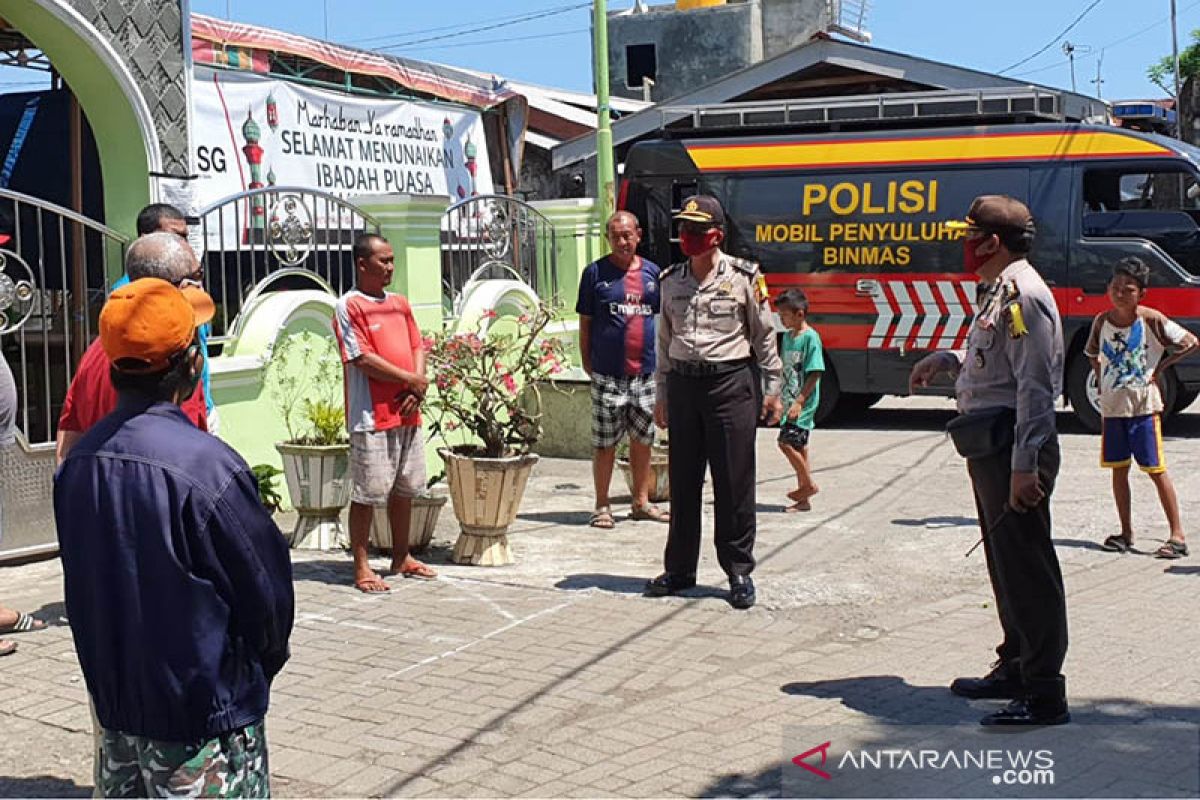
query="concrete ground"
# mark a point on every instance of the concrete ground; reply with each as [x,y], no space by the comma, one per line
[554,677]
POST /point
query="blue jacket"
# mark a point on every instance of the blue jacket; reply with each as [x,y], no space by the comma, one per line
[178,583]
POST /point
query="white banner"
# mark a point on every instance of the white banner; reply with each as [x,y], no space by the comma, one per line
[252,131]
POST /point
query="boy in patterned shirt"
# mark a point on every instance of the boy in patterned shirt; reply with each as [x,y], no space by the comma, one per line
[1127,346]
[803,365]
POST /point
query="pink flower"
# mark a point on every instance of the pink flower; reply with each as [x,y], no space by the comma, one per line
[523,318]
[510,384]
[489,314]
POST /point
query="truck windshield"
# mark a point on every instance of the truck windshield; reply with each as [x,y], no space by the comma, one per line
[1161,204]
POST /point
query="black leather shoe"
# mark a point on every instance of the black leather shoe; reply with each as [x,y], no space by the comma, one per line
[741,591]
[1030,711]
[1001,683]
[669,583]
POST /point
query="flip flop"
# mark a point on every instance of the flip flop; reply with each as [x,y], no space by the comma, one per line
[374,585]
[1172,549]
[803,505]
[25,623]
[1116,544]
[418,571]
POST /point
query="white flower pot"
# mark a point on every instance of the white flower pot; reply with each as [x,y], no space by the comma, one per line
[318,480]
[425,512]
[486,493]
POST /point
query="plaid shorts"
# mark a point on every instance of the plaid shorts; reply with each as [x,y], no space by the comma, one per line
[622,405]
[386,462]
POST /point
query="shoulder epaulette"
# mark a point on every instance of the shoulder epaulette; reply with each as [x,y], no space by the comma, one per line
[742,265]
[674,269]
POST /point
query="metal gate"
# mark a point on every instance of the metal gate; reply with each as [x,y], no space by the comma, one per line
[277,237]
[55,267]
[496,236]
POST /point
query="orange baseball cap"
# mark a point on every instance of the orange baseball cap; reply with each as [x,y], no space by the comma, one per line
[147,322]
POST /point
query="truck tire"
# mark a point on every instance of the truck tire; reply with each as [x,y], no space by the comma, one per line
[1183,399]
[831,395]
[857,402]
[1083,393]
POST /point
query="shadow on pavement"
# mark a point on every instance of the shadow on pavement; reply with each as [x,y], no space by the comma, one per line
[1087,544]
[42,786]
[1179,569]
[628,584]
[892,701]
[938,522]
[576,518]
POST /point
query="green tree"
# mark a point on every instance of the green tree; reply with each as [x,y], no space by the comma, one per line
[1162,74]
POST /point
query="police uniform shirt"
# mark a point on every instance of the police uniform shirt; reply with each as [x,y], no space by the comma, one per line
[1014,358]
[724,319]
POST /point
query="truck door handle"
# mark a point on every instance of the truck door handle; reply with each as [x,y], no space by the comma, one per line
[866,288]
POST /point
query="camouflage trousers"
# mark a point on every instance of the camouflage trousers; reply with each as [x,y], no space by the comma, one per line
[233,764]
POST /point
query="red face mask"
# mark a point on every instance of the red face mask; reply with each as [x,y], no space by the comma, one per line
[972,259]
[697,244]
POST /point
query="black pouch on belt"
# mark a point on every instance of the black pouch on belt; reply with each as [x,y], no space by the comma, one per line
[980,434]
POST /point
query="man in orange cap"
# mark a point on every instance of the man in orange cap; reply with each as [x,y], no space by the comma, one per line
[178,583]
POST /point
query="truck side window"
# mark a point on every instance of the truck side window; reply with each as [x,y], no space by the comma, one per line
[1162,206]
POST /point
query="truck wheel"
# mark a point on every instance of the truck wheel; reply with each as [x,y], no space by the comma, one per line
[831,395]
[1183,399]
[857,402]
[1083,392]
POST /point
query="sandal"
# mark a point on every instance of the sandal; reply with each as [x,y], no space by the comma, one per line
[1116,544]
[24,624]
[372,585]
[650,512]
[1172,548]
[417,570]
[602,518]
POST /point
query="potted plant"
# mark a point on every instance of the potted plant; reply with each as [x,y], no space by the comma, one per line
[660,465]
[426,508]
[304,379]
[479,400]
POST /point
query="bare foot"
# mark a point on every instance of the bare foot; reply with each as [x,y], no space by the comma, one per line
[800,495]
[371,584]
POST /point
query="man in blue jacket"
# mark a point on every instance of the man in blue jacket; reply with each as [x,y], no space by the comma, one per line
[178,583]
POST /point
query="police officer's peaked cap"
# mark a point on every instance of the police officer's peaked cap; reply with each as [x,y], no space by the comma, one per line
[702,208]
[997,213]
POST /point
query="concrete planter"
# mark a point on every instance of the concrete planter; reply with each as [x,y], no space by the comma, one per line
[660,465]
[486,493]
[318,479]
[425,513]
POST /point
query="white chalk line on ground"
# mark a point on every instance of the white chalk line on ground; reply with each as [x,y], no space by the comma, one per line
[516,623]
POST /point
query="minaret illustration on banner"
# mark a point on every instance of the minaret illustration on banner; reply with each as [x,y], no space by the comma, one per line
[252,133]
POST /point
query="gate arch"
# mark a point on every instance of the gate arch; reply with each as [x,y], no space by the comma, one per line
[120,118]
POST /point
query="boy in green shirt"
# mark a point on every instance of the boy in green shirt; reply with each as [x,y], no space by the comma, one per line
[803,365]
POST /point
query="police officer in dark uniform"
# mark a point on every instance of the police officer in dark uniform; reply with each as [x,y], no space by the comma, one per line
[1008,381]
[715,322]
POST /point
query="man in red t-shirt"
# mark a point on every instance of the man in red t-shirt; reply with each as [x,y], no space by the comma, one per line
[91,396]
[385,384]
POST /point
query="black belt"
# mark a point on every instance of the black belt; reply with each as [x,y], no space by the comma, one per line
[707,369]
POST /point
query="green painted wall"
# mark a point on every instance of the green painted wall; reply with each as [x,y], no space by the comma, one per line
[114,123]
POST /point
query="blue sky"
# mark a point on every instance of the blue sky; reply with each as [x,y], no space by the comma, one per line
[555,49]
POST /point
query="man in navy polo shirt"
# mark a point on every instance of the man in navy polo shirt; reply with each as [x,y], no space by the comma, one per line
[618,298]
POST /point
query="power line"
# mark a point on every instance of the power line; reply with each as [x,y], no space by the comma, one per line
[526,18]
[505,39]
[456,26]
[1110,45]
[1053,41]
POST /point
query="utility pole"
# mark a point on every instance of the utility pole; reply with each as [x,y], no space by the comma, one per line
[1175,58]
[325,10]
[1099,80]
[1069,51]
[605,172]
